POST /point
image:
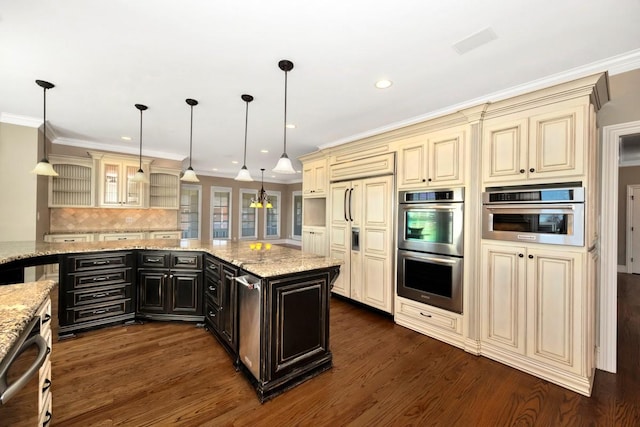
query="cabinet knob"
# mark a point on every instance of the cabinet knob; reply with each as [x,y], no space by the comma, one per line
[521,255]
[532,170]
[424,180]
[429,180]
[522,171]
[530,256]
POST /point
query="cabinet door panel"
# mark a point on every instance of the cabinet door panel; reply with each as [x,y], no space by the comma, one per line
[504,153]
[446,158]
[554,300]
[503,296]
[342,284]
[152,291]
[377,283]
[339,199]
[186,293]
[412,165]
[555,143]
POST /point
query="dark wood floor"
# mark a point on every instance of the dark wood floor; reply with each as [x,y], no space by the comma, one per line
[160,374]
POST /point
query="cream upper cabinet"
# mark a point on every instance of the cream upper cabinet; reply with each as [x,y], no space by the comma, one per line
[314,178]
[534,303]
[434,159]
[543,143]
[74,185]
[164,188]
[116,187]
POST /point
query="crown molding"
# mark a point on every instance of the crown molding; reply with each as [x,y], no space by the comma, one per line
[613,65]
[15,119]
[92,145]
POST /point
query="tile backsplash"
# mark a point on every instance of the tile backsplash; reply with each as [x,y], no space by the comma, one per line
[71,220]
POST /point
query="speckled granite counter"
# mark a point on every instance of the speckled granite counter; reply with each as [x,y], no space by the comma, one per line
[260,258]
[18,304]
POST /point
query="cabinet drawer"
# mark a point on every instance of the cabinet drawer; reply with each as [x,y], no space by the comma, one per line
[44,312]
[213,289]
[45,414]
[154,259]
[186,260]
[89,313]
[212,314]
[100,278]
[99,261]
[430,316]
[98,295]
[212,268]
[45,385]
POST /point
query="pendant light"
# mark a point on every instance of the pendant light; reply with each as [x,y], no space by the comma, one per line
[140,176]
[244,174]
[44,167]
[189,175]
[262,199]
[284,164]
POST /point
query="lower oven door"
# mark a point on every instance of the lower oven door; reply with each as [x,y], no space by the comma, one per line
[431,279]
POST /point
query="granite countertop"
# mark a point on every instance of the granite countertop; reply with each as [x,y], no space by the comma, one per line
[18,304]
[260,258]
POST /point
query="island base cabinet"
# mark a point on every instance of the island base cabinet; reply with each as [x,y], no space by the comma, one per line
[534,304]
[294,332]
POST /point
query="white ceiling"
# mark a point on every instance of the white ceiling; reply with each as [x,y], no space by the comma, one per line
[106,55]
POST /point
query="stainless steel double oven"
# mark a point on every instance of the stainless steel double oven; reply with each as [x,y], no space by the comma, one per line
[430,247]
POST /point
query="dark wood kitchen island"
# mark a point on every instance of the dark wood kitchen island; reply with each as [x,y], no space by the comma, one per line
[279,336]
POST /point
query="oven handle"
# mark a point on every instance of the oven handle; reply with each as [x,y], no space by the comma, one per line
[532,208]
[446,261]
[7,391]
[432,207]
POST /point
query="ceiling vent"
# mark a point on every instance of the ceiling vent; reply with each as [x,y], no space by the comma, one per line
[475,40]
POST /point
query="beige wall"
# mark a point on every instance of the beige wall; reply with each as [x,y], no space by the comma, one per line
[285,190]
[624,107]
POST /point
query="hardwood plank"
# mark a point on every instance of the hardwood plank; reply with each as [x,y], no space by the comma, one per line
[176,374]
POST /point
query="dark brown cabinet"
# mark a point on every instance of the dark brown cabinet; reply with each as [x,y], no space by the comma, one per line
[170,285]
[95,290]
[221,295]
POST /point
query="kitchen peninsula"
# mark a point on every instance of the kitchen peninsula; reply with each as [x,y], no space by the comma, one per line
[285,333]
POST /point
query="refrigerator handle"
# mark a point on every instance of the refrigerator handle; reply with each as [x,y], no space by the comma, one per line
[345,204]
[350,194]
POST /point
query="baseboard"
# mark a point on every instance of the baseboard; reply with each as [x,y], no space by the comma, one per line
[622,269]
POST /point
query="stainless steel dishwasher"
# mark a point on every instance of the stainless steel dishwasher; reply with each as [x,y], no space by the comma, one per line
[249,298]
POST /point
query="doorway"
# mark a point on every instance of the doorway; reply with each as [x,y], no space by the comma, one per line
[633,229]
[607,286]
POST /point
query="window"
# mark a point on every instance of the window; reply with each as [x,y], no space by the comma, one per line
[248,217]
[220,213]
[272,217]
[296,215]
[190,202]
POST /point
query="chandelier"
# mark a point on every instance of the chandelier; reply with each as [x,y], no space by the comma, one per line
[261,199]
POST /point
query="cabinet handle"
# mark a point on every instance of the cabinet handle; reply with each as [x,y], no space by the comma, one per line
[522,171]
[46,318]
[532,170]
[425,315]
[98,311]
[101,295]
[530,256]
[212,314]
[101,278]
[213,267]
[47,384]
[153,260]
[100,262]
[424,180]
[47,420]
[429,180]
[212,288]
[69,240]
[521,255]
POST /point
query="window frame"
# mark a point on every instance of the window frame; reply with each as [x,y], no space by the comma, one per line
[294,194]
[252,193]
[228,190]
[197,187]
[277,206]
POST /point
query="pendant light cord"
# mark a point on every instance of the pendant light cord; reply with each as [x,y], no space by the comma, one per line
[246,125]
[45,122]
[285,111]
[140,166]
[191,138]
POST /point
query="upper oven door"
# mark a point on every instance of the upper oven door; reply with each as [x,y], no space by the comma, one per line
[556,224]
[431,227]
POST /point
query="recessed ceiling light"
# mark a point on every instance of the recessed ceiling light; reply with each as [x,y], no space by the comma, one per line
[383,84]
[126,138]
[264,151]
[291,126]
[214,169]
[235,162]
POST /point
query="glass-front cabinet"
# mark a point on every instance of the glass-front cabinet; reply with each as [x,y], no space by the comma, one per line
[116,186]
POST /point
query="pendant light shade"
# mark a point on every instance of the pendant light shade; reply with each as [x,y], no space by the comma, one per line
[189,175]
[244,174]
[262,199]
[44,167]
[284,163]
[140,175]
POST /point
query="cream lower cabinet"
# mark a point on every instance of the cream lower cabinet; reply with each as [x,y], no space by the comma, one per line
[110,237]
[536,312]
[314,240]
